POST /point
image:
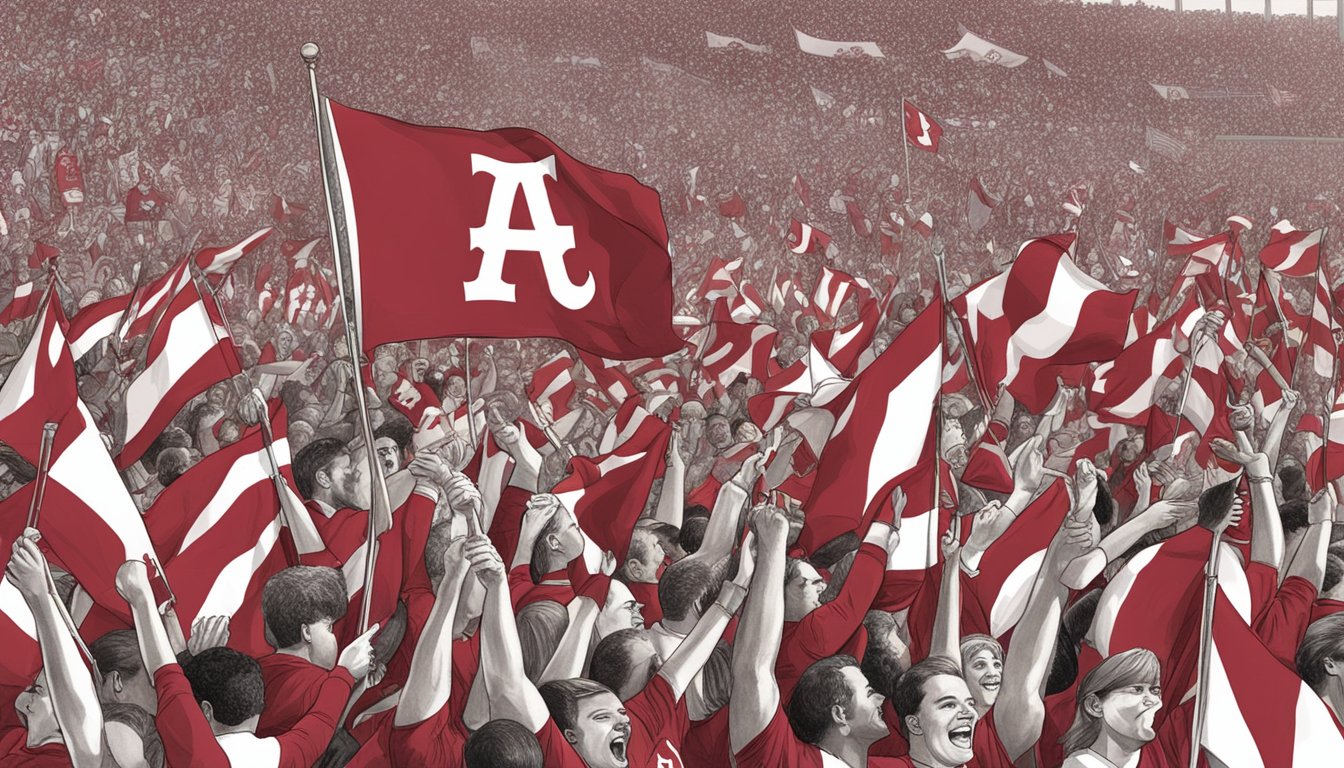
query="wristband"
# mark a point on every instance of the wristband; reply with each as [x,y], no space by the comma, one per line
[731,597]
[1259,479]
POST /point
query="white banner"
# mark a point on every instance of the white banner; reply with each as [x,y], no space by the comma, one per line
[983,51]
[727,41]
[836,49]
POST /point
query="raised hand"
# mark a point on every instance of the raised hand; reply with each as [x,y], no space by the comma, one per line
[27,569]
[1030,467]
[485,562]
[208,632]
[357,658]
[990,523]
[431,467]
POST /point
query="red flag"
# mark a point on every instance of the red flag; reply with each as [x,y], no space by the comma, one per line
[800,189]
[93,324]
[582,257]
[89,523]
[719,278]
[553,385]
[1042,313]
[733,207]
[734,349]
[883,421]
[606,494]
[805,238]
[921,131]
[843,346]
[284,211]
[833,288]
[1008,569]
[1124,389]
[1292,252]
[41,254]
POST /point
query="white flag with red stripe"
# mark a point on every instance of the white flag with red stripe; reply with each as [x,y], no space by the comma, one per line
[833,287]
[1321,329]
[189,351]
[1124,389]
[552,386]
[27,299]
[89,522]
[734,349]
[843,346]
[719,278]
[219,260]
[805,238]
[1293,252]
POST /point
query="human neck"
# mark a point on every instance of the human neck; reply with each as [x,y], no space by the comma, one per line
[682,626]
[920,755]
[42,731]
[850,751]
[1119,750]
[247,726]
[301,650]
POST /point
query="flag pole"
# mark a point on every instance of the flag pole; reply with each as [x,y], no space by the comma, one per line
[1274,286]
[466,355]
[965,349]
[1205,646]
[905,142]
[43,467]
[380,515]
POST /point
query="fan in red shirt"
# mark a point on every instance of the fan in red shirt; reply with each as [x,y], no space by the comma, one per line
[1318,662]
[61,716]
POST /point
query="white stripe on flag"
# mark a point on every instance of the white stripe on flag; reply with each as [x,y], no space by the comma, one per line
[191,335]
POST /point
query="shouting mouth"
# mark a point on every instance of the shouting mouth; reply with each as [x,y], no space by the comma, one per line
[618,749]
[961,737]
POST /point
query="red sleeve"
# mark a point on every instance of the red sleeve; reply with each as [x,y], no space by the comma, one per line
[777,747]
[987,748]
[303,744]
[415,532]
[824,631]
[999,430]
[661,717]
[430,743]
[187,738]
[1284,621]
[508,521]
[1264,583]
[555,750]
[898,590]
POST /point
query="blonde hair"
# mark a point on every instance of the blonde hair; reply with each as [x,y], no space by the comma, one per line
[1133,667]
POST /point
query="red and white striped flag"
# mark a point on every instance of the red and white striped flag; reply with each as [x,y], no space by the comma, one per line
[223,531]
[94,323]
[1008,569]
[308,292]
[24,305]
[1292,252]
[89,523]
[804,238]
[1076,200]
[833,287]
[883,421]
[552,386]
[148,302]
[610,377]
[284,211]
[1041,313]
[979,205]
[1326,463]
[843,346]
[219,260]
[189,351]
[734,349]
[1321,329]
[719,279]
[924,225]
[746,304]
[779,393]
[1124,389]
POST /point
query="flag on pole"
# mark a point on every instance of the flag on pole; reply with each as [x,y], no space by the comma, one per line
[452,256]
[979,205]
[217,261]
[921,131]
[982,51]
[1165,144]
[836,49]
[1292,252]
[27,300]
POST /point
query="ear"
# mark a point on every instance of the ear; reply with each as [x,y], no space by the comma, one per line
[322,478]
[839,717]
[553,542]
[115,677]
[912,725]
[1333,668]
[208,710]
[306,633]
[1092,705]
[570,736]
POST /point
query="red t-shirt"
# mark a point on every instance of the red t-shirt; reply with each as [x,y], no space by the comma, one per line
[835,627]
[1284,621]
[556,752]
[292,685]
[434,741]
[1325,607]
[658,724]
[523,592]
[188,741]
[507,523]
[706,742]
[778,747]
[648,595]
[14,750]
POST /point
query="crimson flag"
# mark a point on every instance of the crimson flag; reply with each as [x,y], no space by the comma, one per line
[42,253]
[580,255]
[922,131]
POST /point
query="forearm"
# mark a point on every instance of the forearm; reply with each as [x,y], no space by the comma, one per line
[572,652]
[672,498]
[947,620]
[1082,570]
[755,693]
[430,680]
[825,630]
[694,651]
[1309,561]
[512,695]
[1021,706]
[73,696]
[721,531]
[1267,529]
[523,554]
[155,650]
[526,464]
[1274,435]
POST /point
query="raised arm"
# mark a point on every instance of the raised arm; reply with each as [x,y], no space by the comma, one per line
[512,695]
[755,693]
[73,696]
[947,620]
[540,509]
[430,680]
[672,497]
[526,459]
[1273,442]
[1266,527]
[694,651]
[724,520]
[1020,710]
[1162,513]
[1308,562]
[571,654]
[823,631]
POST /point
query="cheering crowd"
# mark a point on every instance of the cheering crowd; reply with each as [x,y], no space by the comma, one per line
[705,559]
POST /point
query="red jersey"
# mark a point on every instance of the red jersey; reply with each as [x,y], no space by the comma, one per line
[1325,607]
[188,741]
[507,523]
[555,587]
[658,725]
[556,751]
[433,742]
[706,742]
[777,747]
[14,750]
[292,685]
[835,627]
[1284,620]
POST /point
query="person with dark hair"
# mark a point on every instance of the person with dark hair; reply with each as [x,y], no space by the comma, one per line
[1320,661]
[61,721]
[390,442]
[548,534]
[541,626]
[692,532]
[300,605]
[503,744]
[1331,600]
[208,710]
[839,713]
[643,562]
[117,657]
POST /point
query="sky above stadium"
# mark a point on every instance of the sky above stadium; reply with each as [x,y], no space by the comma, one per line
[1296,7]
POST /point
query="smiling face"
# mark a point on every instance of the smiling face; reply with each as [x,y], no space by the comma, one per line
[1127,713]
[984,675]
[945,722]
[865,713]
[601,733]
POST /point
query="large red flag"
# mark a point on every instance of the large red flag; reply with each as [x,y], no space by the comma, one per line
[498,233]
